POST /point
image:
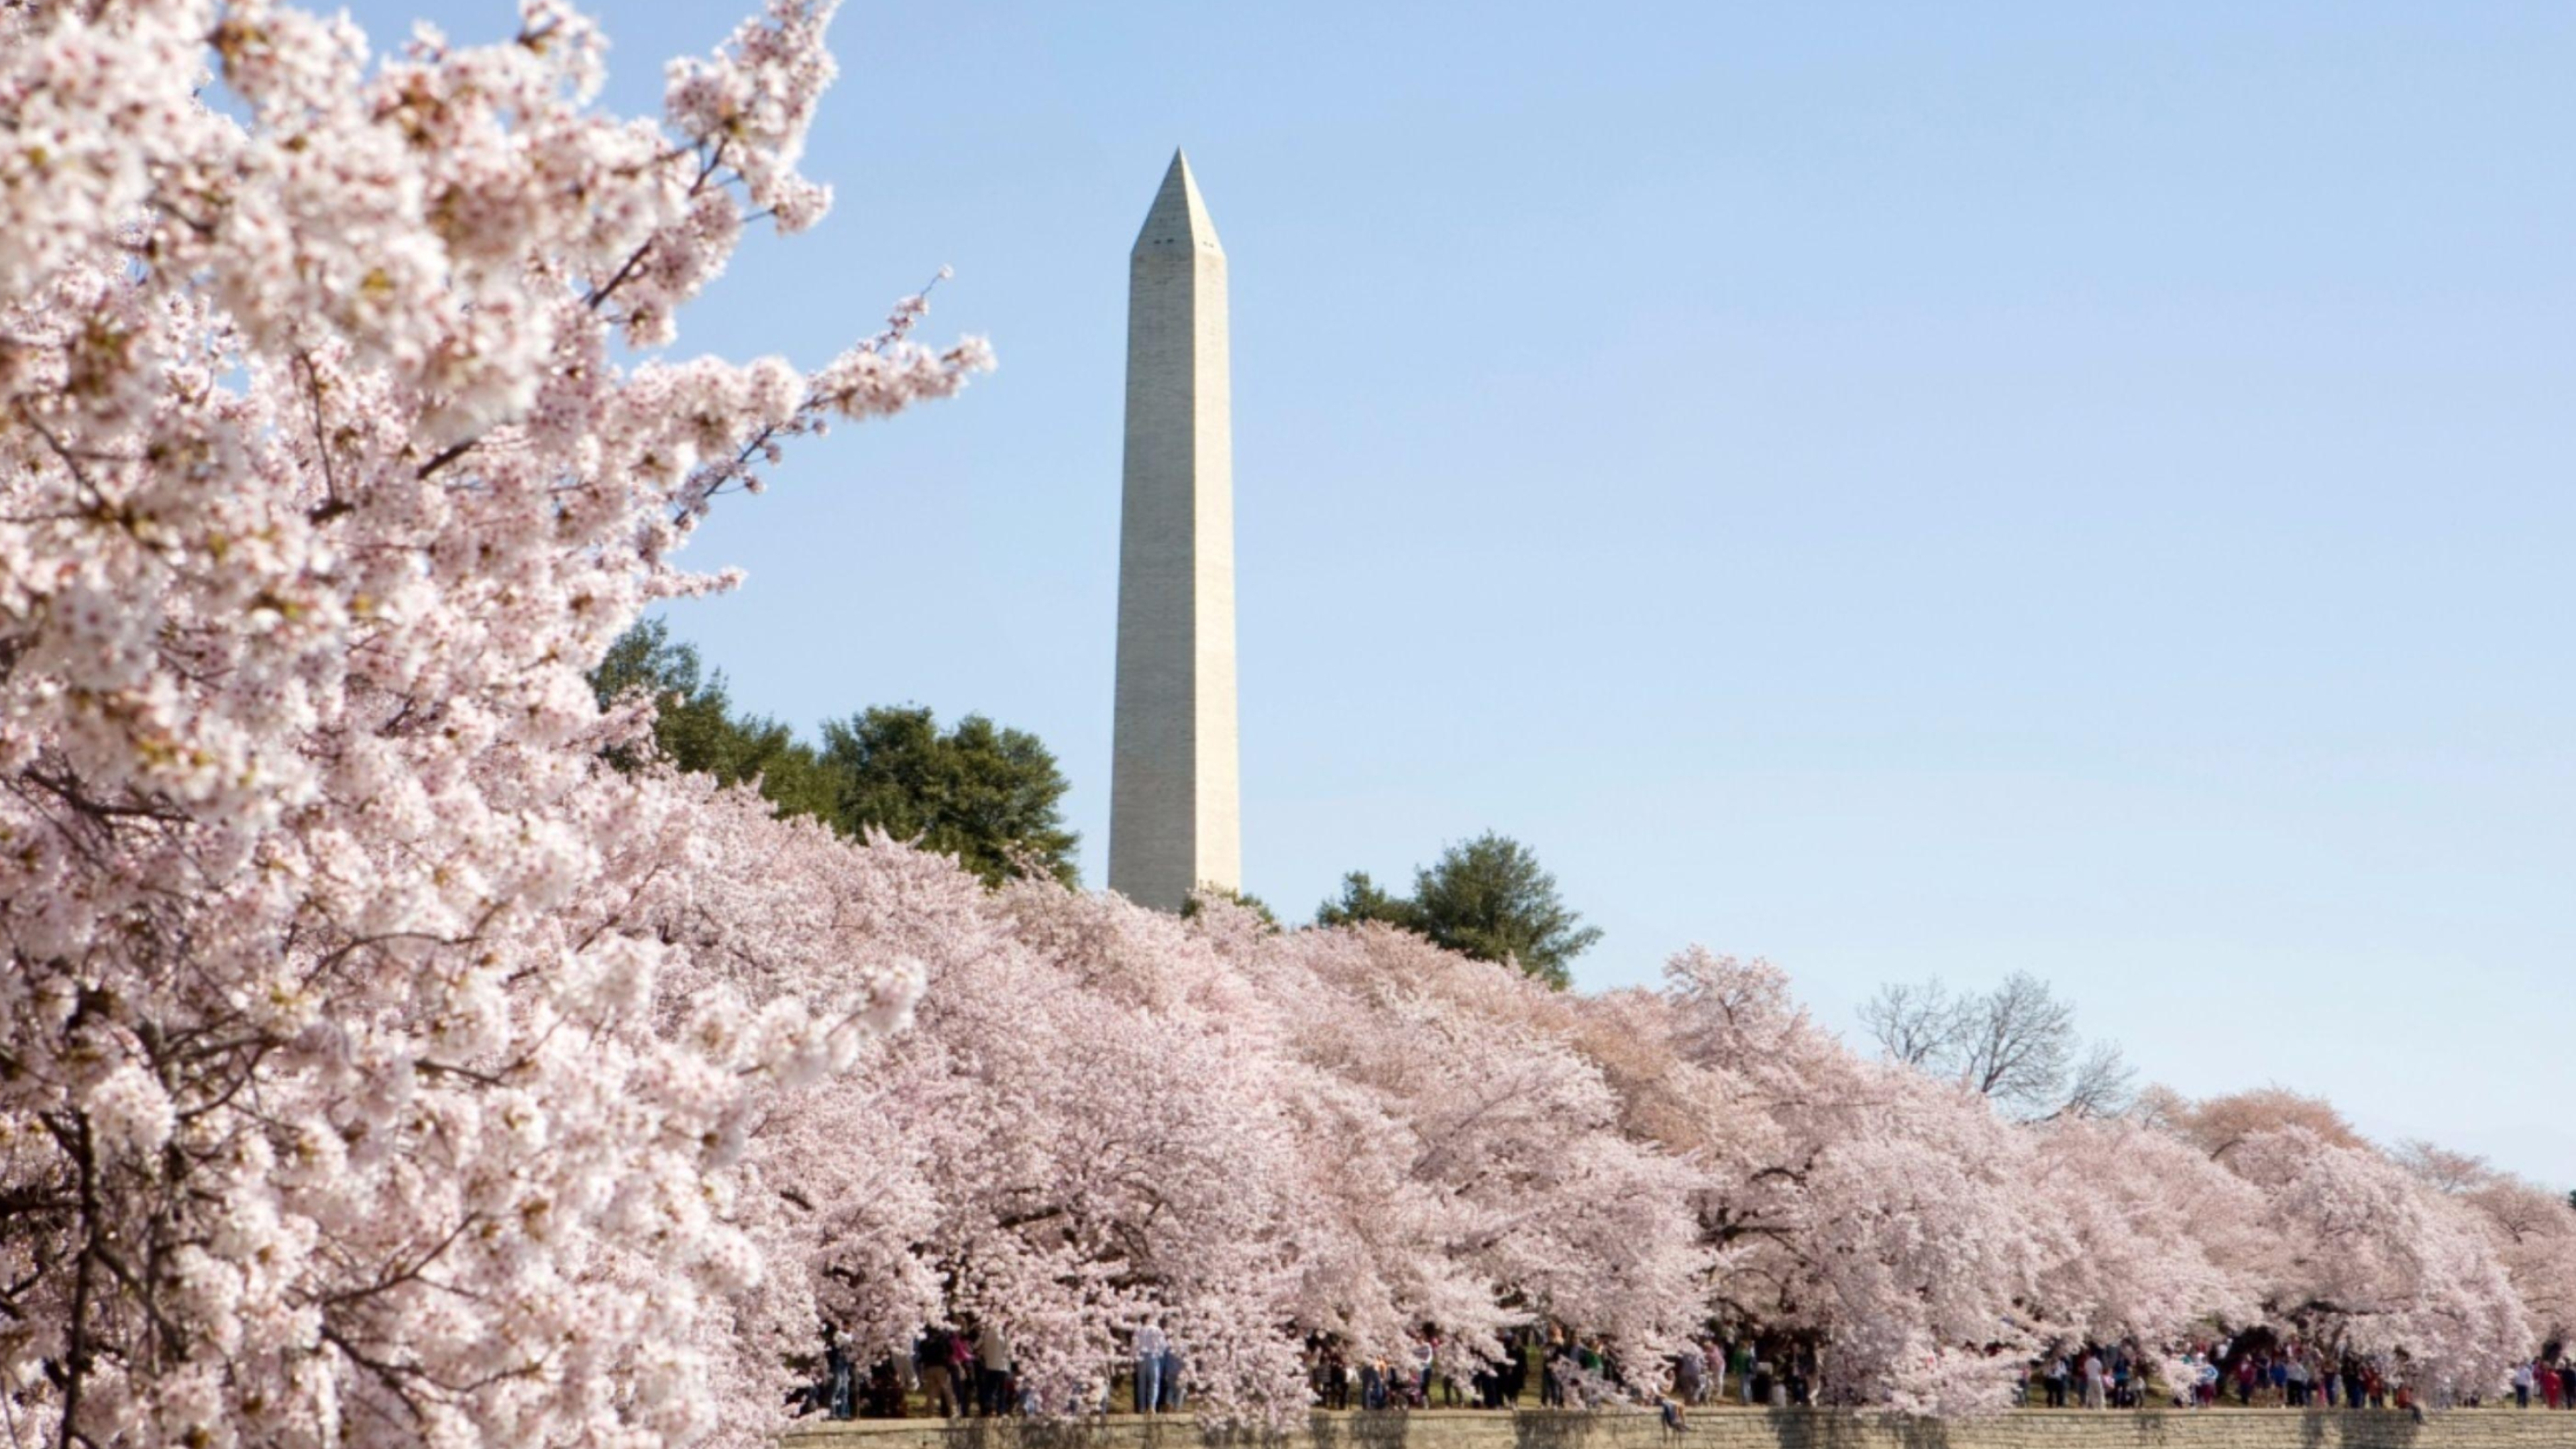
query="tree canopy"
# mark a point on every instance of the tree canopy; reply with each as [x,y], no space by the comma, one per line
[697,728]
[1488,898]
[982,793]
[376,1063]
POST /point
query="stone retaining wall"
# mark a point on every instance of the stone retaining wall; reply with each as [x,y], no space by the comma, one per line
[2498,1428]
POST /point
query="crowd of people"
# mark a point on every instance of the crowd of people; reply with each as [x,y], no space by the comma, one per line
[2208,1373]
[2260,1371]
[2552,1381]
[958,1372]
[968,1372]
[1572,1370]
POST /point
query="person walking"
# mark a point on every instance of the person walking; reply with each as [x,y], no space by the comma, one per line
[993,1371]
[962,1372]
[1688,1368]
[836,1358]
[934,1353]
[1149,1343]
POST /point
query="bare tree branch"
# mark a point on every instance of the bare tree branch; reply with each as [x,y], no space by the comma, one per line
[2103,1085]
[1920,1026]
[2015,1045]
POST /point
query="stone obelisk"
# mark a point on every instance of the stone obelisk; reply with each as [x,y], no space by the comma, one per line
[1173,791]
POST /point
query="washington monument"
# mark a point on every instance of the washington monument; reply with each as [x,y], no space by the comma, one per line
[1173,808]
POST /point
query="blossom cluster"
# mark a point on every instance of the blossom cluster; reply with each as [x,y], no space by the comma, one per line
[345,1093]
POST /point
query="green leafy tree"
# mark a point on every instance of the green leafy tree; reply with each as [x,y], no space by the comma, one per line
[987,795]
[697,729]
[981,793]
[1488,898]
[1362,899]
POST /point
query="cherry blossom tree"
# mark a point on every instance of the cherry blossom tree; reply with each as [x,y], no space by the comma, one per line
[2533,1230]
[2534,1233]
[2218,1125]
[1461,1098]
[1872,1210]
[1104,1103]
[349,1091]
[1910,1230]
[2357,1254]
[2159,1235]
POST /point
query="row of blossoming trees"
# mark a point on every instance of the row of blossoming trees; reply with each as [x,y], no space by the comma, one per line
[377,1066]
[1101,1114]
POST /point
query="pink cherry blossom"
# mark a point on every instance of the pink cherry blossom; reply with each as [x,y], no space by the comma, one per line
[376,1065]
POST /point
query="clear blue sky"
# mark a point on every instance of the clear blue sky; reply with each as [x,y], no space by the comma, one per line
[1901,490]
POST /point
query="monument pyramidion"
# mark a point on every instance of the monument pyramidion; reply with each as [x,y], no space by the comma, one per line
[1174,821]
